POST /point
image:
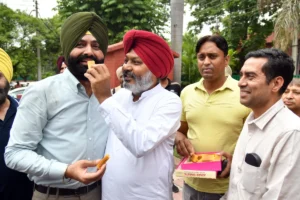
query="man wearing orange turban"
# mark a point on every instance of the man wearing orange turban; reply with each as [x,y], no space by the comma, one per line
[153,50]
[143,118]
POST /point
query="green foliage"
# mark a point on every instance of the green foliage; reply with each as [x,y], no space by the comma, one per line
[66,8]
[287,24]
[18,37]
[47,74]
[8,26]
[21,34]
[190,73]
[51,49]
[243,25]
[122,15]
[234,61]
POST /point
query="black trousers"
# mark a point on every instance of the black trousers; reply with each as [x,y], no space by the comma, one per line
[16,191]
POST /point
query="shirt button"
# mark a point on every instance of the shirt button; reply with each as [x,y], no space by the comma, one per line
[239,170]
[90,138]
[89,119]
[89,159]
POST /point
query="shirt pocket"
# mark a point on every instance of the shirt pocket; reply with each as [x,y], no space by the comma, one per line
[250,178]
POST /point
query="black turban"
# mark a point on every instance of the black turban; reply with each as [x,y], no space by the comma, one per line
[76,26]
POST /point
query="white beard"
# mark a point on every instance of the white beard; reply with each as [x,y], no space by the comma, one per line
[142,83]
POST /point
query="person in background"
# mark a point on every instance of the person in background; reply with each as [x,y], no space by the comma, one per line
[119,75]
[61,65]
[58,135]
[266,159]
[18,85]
[171,86]
[14,185]
[143,119]
[212,116]
[291,96]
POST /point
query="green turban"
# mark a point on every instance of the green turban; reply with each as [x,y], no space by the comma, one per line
[76,26]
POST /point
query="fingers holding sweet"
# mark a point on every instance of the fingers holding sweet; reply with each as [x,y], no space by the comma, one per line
[94,176]
[78,171]
[99,77]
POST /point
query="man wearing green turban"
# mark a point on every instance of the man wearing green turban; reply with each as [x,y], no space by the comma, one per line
[58,135]
[77,27]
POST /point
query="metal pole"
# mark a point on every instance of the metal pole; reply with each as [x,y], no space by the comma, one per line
[177,9]
[38,52]
[295,50]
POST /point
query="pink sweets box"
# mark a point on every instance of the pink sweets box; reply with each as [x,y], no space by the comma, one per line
[206,169]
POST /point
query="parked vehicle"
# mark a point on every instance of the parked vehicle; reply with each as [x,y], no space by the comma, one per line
[17,93]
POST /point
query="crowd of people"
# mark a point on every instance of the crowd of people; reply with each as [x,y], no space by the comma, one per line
[52,141]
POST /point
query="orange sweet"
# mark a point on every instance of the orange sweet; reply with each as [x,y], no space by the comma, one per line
[102,161]
[90,63]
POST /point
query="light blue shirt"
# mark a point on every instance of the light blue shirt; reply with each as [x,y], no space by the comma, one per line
[56,124]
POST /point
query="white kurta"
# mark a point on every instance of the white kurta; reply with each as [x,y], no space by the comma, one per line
[140,144]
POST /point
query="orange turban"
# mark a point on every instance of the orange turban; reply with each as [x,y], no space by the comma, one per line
[152,49]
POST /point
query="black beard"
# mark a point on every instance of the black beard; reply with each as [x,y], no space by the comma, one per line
[77,69]
[3,93]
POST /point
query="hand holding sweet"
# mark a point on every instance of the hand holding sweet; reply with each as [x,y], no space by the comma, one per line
[99,78]
[78,171]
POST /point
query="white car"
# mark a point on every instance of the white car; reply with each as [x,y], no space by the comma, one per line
[17,92]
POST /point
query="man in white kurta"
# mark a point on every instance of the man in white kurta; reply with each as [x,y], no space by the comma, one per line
[271,132]
[143,119]
[140,144]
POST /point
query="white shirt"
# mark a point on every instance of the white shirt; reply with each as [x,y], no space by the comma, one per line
[140,144]
[275,138]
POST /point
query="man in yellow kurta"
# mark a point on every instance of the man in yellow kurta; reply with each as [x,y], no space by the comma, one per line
[212,116]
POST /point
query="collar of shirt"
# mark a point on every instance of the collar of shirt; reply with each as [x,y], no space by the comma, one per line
[229,83]
[72,81]
[262,121]
[151,92]
[13,103]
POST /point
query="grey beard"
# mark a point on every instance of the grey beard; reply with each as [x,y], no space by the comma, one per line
[142,83]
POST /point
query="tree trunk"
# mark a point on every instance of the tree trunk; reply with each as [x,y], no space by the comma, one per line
[295,51]
[177,8]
